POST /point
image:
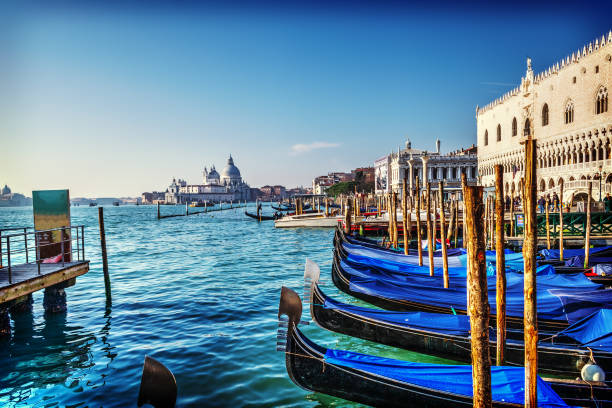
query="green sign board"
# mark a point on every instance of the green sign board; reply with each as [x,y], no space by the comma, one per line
[52,210]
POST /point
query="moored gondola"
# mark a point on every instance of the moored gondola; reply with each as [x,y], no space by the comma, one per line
[387,382]
[261,217]
[567,307]
[447,336]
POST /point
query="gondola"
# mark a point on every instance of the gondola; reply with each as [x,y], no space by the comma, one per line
[289,208]
[260,217]
[344,243]
[393,296]
[378,381]
[445,335]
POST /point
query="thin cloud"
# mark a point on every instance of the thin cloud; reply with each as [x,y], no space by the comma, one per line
[306,148]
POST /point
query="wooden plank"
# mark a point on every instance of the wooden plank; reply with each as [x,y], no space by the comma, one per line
[37,282]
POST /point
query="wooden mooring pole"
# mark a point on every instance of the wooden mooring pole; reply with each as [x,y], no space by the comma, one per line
[443,235]
[347,216]
[429,232]
[587,236]
[405,212]
[463,186]
[107,283]
[418,222]
[478,297]
[456,220]
[561,221]
[500,281]
[530,321]
[547,212]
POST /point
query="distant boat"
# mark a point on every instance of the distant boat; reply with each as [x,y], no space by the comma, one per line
[308,220]
[116,203]
[93,204]
[197,204]
[260,217]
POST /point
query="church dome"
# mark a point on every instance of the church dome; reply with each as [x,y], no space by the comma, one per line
[6,190]
[213,173]
[230,171]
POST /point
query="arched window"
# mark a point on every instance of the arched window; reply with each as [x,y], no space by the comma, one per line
[486,141]
[514,131]
[569,112]
[545,115]
[499,133]
[527,128]
[601,105]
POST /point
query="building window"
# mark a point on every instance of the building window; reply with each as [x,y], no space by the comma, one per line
[486,141]
[597,69]
[514,127]
[527,128]
[601,105]
[569,112]
[545,115]
[499,133]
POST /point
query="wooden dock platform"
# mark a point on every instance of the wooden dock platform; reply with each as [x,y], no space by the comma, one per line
[26,280]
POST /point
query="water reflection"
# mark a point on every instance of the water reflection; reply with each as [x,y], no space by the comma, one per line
[48,353]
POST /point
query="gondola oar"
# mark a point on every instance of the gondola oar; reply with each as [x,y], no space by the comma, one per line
[157,385]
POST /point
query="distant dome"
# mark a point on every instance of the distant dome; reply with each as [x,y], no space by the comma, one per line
[213,173]
[6,190]
[230,171]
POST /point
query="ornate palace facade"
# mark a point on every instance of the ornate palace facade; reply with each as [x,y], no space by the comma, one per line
[426,166]
[565,108]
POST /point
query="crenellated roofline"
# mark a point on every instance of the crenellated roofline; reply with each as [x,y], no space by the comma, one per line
[574,58]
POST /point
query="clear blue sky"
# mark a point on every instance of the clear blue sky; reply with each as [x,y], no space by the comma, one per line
[111,101]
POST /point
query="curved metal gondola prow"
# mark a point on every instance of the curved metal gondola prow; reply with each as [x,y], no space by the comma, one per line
[157,385]
[290,305]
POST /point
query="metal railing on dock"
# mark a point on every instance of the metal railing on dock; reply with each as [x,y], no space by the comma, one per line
[16,248]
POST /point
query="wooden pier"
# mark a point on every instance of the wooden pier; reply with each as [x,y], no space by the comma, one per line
[26,279]
[30,261]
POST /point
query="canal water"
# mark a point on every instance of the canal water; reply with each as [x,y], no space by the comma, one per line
[198,293]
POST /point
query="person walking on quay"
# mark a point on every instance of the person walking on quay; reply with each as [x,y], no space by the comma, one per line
[608,203]
[541,204]
[555,202]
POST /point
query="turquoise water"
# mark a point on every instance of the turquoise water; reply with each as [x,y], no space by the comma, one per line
[198,293]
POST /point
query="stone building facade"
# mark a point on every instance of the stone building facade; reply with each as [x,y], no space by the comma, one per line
[426,166]
[218,187]
[565,108]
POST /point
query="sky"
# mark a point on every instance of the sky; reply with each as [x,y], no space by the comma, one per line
[110,100]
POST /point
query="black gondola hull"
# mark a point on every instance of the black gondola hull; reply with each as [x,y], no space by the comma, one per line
[551,360]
